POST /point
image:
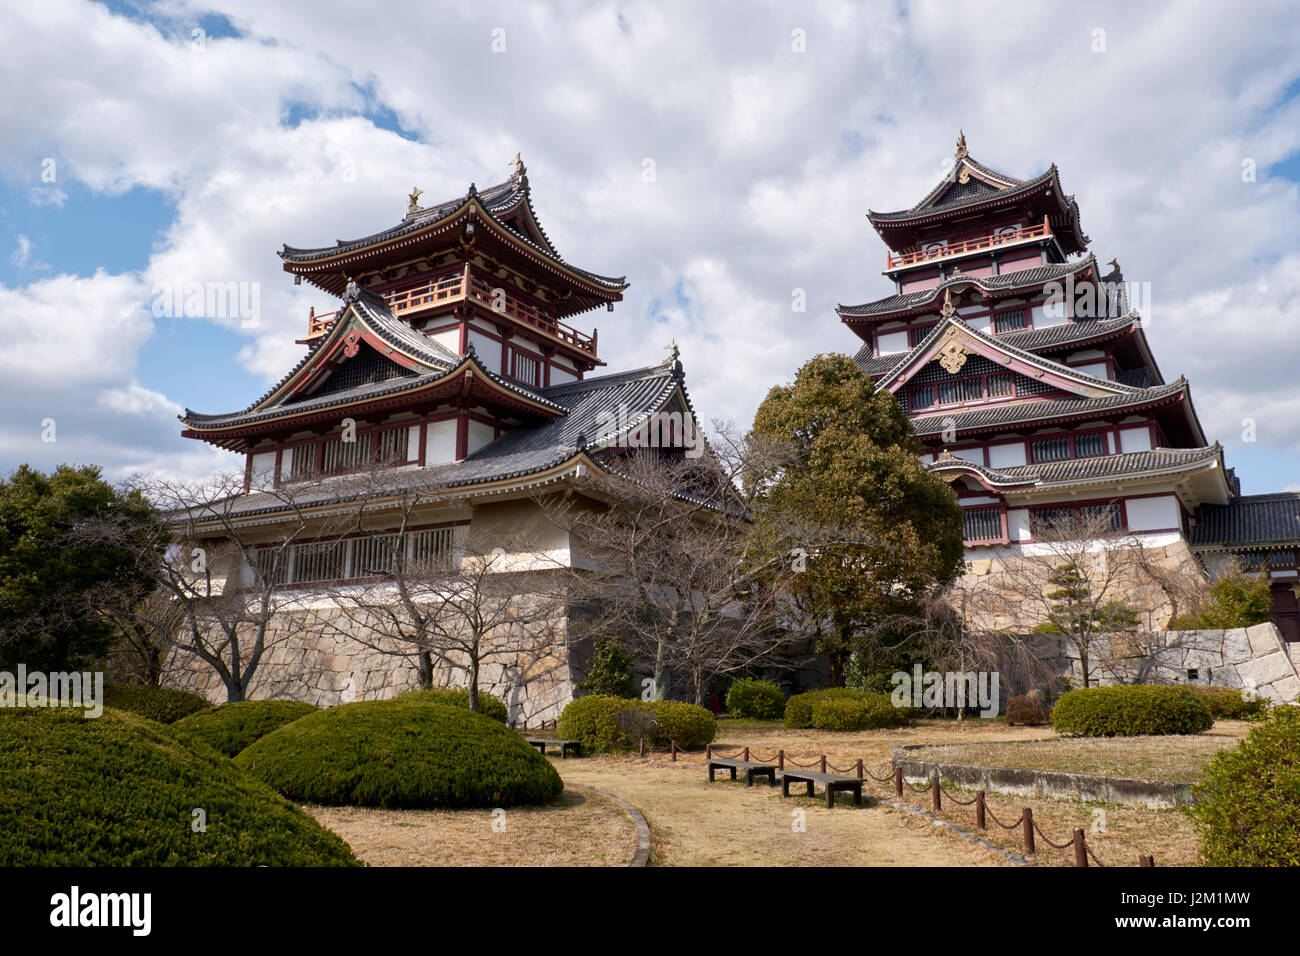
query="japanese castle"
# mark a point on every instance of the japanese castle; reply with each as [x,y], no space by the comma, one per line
[1028,378]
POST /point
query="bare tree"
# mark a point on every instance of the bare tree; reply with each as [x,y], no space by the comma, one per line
[453,598]
[1082,577]
[225,578]
[666,560]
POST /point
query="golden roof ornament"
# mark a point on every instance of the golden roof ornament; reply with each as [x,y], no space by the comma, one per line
[961,144]
[519,169]
[948,310]
[413,200]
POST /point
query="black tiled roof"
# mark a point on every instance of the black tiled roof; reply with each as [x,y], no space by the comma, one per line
[521,451]
[1082,469]
[1250,520]
[1011,280]
[1045,411]
[498,201]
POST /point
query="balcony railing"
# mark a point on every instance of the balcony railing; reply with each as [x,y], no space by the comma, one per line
[1006,237]
[462,285]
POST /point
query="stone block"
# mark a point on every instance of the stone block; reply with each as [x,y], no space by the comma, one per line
[1236,646]
[1263,639]
[1287,689]
[1264,670]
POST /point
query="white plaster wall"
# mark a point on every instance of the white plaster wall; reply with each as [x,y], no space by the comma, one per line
[892,342]
[479,435]
[441,446]
[1134,439]
[1043,318]
[263,467]
[1150,514]
[1006,456]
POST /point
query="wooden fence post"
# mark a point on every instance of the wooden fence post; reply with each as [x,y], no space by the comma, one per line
[746,757]
[1080,848]
[823,763]
[979,810]
[898,781]
[1146,859]
[708,751]
[859,768]
[642,746]
[780,759]
[936,800]
[1028,829]
[674,750]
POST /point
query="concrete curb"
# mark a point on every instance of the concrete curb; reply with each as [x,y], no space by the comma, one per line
[642,854]
[1061,784]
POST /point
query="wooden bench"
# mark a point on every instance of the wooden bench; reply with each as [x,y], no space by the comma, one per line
[564,745]
[751,769]
[831,781]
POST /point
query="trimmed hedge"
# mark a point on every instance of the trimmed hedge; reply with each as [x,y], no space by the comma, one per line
[864,711]
[231,727]
[756,699]
[402,753]
[489,705]
[1248,802]
[119,790]
[162,704]
[1131,710]
[1228,704]
[692,727]
[844,708]
[605,724]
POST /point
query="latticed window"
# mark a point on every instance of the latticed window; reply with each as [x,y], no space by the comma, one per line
[1001,386]
[961,390]
[1089,446]
[1051,449]
[1107,517]
[1010,321]
[341,455]
[344,559]
[393,445]
[375,555]
[525,369]
[982,524]
[302,462]
[1047,521]
[923,396]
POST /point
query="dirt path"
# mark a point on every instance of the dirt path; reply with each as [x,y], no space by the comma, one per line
[695,823]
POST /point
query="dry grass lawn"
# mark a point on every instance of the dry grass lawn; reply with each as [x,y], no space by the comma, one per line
[579,829]
[1151,758]
[696,823]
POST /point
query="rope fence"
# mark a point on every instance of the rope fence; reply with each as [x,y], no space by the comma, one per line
[1029,829]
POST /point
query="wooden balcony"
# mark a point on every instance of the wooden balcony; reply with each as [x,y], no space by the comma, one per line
[1008,237]
[463,285]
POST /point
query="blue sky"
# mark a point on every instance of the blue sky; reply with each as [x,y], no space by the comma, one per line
[178,153]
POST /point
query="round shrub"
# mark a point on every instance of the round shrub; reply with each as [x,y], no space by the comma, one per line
[798,709]
[1131,710]
[489,705]
[603,724]
[689,725]
[162,704]
[863,711]
[1248,802]
[756,699]
[120,791]
[401,753]
[1228,704]
[231,727]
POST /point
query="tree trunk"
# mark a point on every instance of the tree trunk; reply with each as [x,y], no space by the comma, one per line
[426,670]
[473,684]
[661,670]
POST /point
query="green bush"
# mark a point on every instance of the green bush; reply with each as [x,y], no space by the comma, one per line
[1236,600]
[690,726]
[401,753]
[865,711]
[1131,710]
[605,724]
[610,672]
[1225,703]
[231,727]
[162,704]
[489,705]
[798,709]
[756,699]
[600,723]
[120,791]
[1248,801]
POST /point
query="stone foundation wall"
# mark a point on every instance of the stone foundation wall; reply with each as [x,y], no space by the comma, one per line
[311,657]
[1245,657]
